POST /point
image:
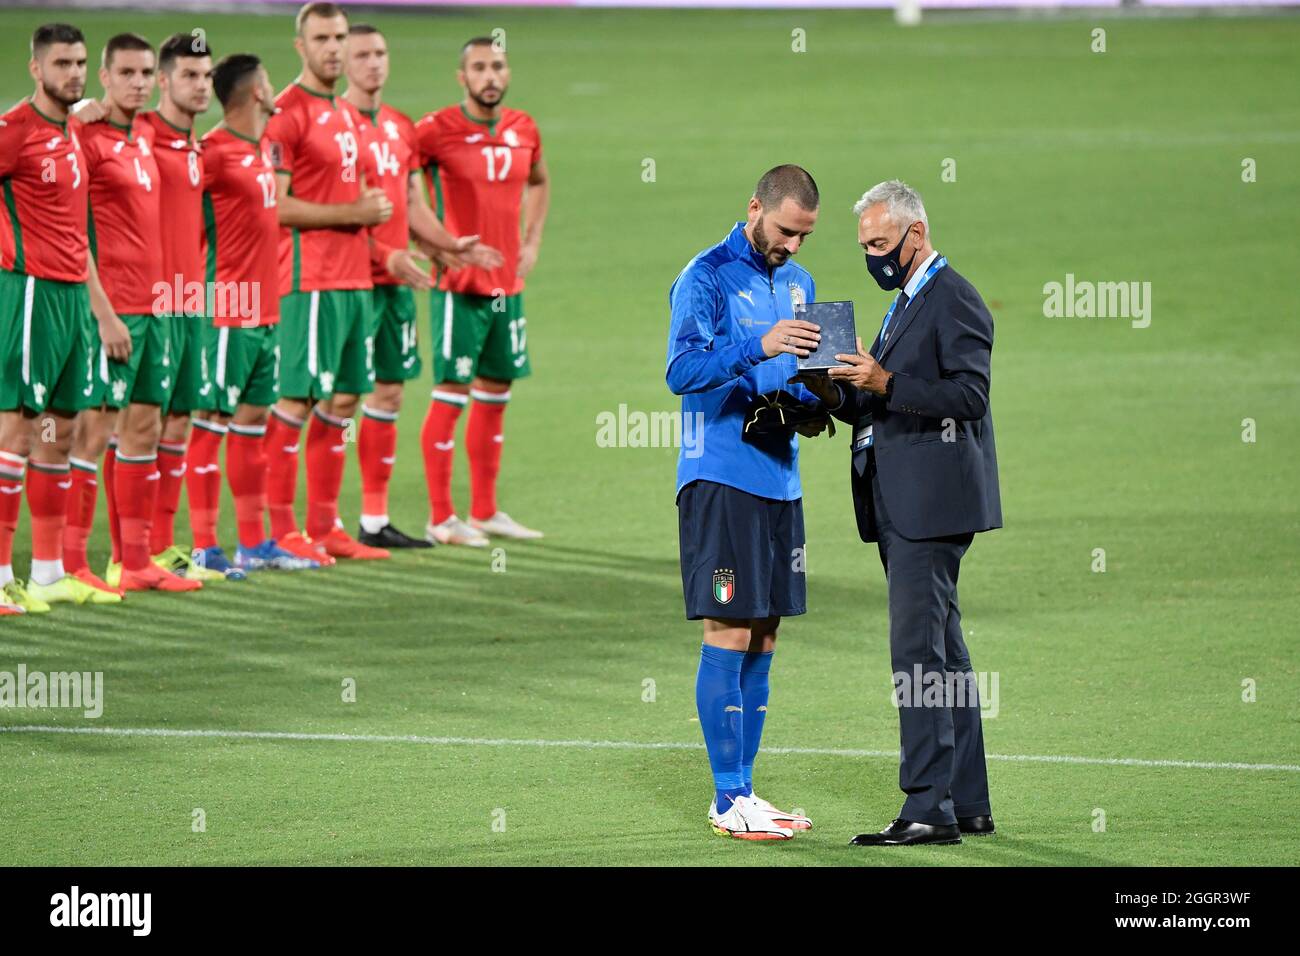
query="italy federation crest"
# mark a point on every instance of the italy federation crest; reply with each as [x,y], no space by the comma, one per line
[797,297]
[724,585]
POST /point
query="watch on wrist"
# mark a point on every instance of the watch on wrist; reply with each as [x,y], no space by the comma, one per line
[889,386]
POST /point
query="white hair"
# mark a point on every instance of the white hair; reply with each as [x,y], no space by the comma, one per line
[902,203]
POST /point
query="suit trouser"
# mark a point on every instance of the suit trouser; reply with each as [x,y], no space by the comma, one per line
[941,738]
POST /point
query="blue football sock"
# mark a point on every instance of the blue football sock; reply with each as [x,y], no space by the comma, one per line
[754,688]
[721,708]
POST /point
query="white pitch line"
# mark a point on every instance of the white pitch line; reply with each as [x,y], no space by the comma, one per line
[612,745]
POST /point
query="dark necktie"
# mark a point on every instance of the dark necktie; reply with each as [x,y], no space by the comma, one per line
[899,309]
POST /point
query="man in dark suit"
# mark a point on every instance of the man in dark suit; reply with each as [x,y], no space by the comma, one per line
[925,481]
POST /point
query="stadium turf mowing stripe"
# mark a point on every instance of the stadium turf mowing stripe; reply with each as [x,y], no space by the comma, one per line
[617,745]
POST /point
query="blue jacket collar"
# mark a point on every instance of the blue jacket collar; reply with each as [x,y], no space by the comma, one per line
[739,246]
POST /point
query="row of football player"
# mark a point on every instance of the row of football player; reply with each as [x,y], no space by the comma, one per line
[161,295]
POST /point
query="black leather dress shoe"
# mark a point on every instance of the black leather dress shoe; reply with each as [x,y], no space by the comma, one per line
[976,826]
[390,537]
[907,833]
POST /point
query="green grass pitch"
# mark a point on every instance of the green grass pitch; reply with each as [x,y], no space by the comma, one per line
[1125,165]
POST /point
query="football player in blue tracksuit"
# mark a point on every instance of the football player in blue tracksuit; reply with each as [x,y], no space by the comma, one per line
[734,336]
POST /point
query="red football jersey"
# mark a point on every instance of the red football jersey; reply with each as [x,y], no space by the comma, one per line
[44,181]
[242,230]
[125,216]
[477,171]
[180,173]
[314,138]
[387,157]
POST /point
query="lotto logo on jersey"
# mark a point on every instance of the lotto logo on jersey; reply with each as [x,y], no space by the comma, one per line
[724,585]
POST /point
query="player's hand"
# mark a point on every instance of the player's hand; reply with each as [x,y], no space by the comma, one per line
[791,335]
[92,111]
[472,252]
[811,429]
[405,265]
[115,338]
[821,386]
[527,259]
[862,372]
[373,207]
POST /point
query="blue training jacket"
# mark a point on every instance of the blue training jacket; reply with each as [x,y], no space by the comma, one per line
[722,304]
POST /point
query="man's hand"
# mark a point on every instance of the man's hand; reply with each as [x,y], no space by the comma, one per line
[791,335]
[92,111]
[115,338]
[405,265]
[472,252]
[862,372]
[373,207]
[821,386]
[812,429]
[527,259]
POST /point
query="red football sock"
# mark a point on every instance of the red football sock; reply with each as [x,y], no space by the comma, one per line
[437,442]
[171,475]
[110,499]
[136,490]
[326,458]
[47,501]
[281,444]
[483,440]
[246,469]
[11,501]
[80,516]
[203,481]
[377,450]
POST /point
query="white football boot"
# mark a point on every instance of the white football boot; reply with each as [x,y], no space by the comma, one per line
[746,820]
[504,526]
[795,821]
[455,531]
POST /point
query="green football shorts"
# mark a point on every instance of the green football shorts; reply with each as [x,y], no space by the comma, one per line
[397,357]
[47,344]
[326,343]
[479,335]
[149,375]
[193,388]
[245,364]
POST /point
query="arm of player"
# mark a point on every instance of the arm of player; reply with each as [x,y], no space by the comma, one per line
[694,365]
[113,333]
[434,239]
[370,209]
[537,199]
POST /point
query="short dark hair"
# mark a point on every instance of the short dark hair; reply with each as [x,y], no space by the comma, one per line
[230,76]
[124,41]
[179,45]
[364,29]
[317,9]
[48,34]
[473,42]
[787,182]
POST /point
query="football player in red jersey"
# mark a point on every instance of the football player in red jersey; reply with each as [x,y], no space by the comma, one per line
[242,231]
[47,340]
[388,155]
[185,85]
[484,163]
[326,336]
[135,374]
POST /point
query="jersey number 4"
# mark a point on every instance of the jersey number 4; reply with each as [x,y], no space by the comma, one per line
[492,154]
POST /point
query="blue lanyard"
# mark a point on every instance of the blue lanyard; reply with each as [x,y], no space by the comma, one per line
[929,274]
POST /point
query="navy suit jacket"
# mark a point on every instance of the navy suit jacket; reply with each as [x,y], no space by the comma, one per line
[939,352]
